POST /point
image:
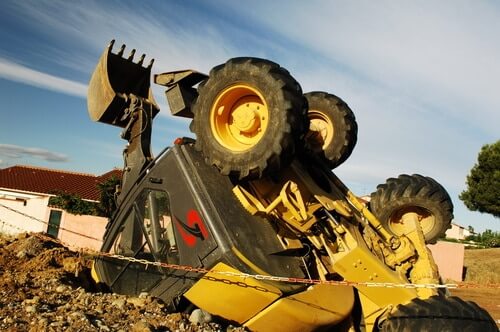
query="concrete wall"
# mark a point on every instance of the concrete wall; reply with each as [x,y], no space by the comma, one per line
[28,204]
[82,231]
[76,231]
[449,258]
[455,232]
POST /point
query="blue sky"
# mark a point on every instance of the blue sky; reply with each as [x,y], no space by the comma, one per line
[421,77]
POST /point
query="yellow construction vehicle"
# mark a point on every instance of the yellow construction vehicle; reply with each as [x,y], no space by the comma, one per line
[259,229]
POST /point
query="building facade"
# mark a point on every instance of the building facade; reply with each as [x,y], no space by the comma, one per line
[24,204]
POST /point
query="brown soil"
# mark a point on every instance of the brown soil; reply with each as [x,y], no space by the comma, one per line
[482,268]
[482,265]
[46,287]
[486,298]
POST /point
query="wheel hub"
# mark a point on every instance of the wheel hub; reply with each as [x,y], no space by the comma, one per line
[425,218]
[320,130]
[246,117]
[239,117]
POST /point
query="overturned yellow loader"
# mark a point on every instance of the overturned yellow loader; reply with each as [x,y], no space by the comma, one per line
[248,221]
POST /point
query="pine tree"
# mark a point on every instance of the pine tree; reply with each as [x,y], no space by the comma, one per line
[483,182]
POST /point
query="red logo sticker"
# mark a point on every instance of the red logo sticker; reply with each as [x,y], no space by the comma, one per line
[194,229]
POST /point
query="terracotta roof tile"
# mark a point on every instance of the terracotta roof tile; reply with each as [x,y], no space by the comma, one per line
[115,172]
[49,181]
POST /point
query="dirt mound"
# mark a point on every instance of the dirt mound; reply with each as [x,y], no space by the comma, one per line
[46,287]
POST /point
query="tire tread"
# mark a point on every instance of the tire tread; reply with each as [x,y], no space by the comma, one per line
[439,313]
[413,190]
[280,146]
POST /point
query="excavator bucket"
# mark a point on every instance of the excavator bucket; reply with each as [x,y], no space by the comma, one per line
[113,80]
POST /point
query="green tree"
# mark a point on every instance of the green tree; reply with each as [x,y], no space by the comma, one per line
[72,203]
[483,182]
[107,204]
[488,238]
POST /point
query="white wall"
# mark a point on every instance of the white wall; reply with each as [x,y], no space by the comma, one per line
[75,231]
[449,258]
[25,204]
[82,231]
[456,232]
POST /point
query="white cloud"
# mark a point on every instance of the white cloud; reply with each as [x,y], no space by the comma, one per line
[15,72]
[94,24]
[16,152]
[442,54]
[421,78]
[173,46]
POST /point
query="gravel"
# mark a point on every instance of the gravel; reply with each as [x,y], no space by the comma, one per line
[46,287]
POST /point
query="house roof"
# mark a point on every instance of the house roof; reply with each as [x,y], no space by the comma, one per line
[459,226]
[50,181]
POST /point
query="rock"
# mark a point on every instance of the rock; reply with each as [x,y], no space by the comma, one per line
[77,315]
[118,303]
[44,308]
[144,295]
[56,324]
[39,293]
[101,325]
[199,316]
[33,300]
[231,328]
[31,246]
[31,309]
[99,309]
[21,254]
[71,264]
[8,320]
[141,326]
[43,322]
[61,289]
[138,302]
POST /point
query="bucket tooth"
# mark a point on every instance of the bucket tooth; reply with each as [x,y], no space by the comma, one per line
[111,43]
[131,55]
[150,65]
[120,52]
[141,60]
[114,78]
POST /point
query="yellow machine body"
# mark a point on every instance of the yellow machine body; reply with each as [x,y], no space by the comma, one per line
[261,306]
[251,121]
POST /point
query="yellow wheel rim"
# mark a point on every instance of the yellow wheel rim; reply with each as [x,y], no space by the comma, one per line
[426,219]
[239,117]
[320,130]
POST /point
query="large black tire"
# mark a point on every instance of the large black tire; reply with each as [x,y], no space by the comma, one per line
[413,193]
[439,313]
[333,130]
[247,144]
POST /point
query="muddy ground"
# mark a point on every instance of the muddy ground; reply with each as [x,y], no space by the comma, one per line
[45,287]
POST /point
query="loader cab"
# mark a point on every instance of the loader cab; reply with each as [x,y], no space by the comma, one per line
[147,229]
[155,218]
[182,212]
